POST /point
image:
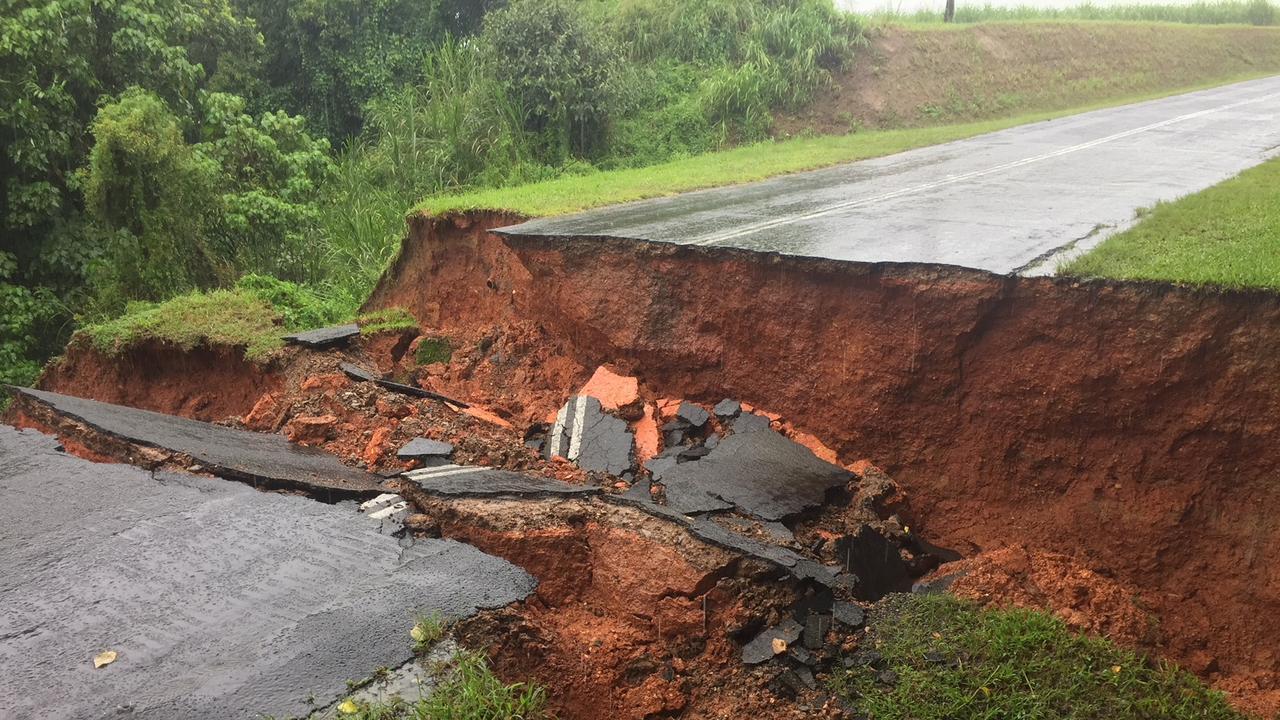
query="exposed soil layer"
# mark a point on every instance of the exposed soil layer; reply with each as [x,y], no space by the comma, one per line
[208,383]
[1128,426]
[912,77]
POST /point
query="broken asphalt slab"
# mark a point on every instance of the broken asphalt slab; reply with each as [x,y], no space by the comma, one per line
[327,337]
[761,473]
[585,434]
[240,454]
[220,601]
[474,481]
[422,448]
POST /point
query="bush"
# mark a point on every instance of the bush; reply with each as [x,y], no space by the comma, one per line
[559,68]
[1261,12]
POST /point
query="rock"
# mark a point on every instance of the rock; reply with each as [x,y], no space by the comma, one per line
[876,561]
[806,677]
[712,441]
[748,423]
[726,409]
[934,657]
[815,630]
[584,434]
[847,613]
[266,414]
[324,337]
[310,430]
[647,436]
[762,473]
[421,448]
[692,414]
[673,438]
[887,677]
[612,390]
[379,444]
[760,648]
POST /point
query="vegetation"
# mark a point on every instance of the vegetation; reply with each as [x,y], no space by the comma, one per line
[388,319]
[1219,12]
[1226,235]
[468,691]
[952,660]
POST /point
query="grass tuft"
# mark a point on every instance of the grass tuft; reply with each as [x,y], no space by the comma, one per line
[220,317]
[1226,235]
[469,691]
[385,320]
[955,661]
[434,350]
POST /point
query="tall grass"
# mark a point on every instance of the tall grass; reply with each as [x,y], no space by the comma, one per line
[1225,12]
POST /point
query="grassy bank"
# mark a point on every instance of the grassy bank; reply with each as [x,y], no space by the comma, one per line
[729,167]
[1226,235]
[925,76]
[950,660]
[1229,12]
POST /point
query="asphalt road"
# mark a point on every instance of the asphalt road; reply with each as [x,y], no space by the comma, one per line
[221,601]
[1018,200]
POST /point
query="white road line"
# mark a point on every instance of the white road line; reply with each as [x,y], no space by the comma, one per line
[953,179]
[575,436]
[436,472]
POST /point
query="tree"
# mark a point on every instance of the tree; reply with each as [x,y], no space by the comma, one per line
[949,14]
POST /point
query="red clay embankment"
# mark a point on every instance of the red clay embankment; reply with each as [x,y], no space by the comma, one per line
[1129,425]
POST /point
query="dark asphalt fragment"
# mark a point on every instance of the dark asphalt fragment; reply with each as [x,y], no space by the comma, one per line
[593,439]
[847,613]
[726,409]
[324,337]
[422,448]
[359,374]
[260,458]
[475,481]
[692,414]
[762,473]
[749,423]
[760,649]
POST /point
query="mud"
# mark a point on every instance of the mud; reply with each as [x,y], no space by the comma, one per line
[206,383]
[1127,426]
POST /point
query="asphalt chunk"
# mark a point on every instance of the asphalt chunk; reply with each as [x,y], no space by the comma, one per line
[237,454]
[220,601]
[476,481]
[727,408]
[761,648]
[692,414]
[327,337]
[761,473]
[422,448]
[585,434]
[359,374]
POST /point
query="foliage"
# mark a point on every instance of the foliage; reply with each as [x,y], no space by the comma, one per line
[299,307]
[221,317]
[174,216]
[426,632]
[434,350]
[1225,235]
[1012,664]
[22,312]
[387,319]
[1217,12]
[469,691]
[559,68]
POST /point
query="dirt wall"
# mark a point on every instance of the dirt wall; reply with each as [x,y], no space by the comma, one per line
[1131,425]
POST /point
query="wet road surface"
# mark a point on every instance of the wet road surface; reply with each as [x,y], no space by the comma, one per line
[1019,200]
[221,601]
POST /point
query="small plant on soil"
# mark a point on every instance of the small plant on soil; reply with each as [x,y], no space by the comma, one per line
[468,690]
[426,632]
[386,320]
[940,657]
[434,350]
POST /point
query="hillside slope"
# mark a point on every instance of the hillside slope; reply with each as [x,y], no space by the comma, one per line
[913,76]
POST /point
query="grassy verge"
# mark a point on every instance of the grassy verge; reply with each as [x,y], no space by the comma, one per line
[954,661]
[570,194]
[1239,12]
[1226,235]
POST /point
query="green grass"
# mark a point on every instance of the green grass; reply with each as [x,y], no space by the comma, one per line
[1226,12]
[1012,664]
[745,164]
[434,350]
[221,317]
[1226,235]
[388,319]
[469,691]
